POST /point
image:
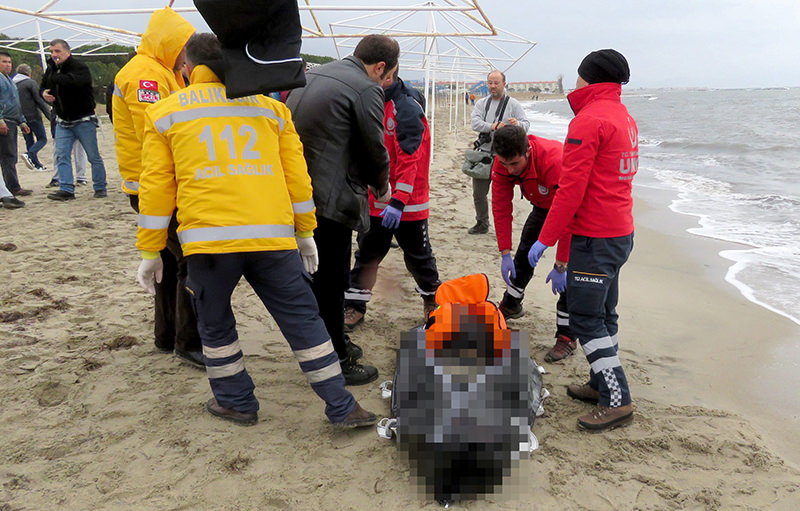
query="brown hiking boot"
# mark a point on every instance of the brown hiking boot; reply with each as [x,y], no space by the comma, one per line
[583,392]
[428,306]
[563,348]
[603,418]
[352,318]
[241,418]
[358,418]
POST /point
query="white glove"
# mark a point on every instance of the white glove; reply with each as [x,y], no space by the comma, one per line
[308,251]
[150,270]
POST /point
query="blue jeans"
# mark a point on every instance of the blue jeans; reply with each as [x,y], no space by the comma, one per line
[86,133]
[33,147]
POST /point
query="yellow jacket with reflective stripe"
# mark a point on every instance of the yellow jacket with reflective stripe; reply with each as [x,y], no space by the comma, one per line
[234,169]
[147,78]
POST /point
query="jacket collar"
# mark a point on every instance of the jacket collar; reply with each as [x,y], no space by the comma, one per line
[579,98]
[203,74]
[357,62]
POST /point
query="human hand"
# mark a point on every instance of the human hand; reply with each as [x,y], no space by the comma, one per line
[3,128]
[24,127]
[48,97]
[559,281]
[308,251]
[391,217]
[513,122]
[150,270]
[507,268]
[535,253]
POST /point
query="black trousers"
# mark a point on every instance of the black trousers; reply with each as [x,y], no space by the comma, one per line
[516,291]
[8,158]
[333,242]
[175,324]
[412,236]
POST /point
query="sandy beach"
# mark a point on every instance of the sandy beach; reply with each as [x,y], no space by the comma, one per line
[95,418]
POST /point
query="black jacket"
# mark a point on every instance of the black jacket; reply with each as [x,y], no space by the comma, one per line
[71,84]
[339,116]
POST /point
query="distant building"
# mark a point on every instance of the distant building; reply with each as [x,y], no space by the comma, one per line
[552,87]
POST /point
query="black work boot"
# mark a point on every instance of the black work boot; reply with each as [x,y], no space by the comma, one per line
[357,374]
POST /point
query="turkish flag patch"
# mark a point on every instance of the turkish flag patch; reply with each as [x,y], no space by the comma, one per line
[148,84]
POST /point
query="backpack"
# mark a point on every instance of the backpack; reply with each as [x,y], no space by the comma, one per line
[465,395]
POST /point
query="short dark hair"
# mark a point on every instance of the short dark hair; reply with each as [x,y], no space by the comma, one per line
[376,48]
[202,48]
[4,53]
[497,71]
[510,141]
[62,42]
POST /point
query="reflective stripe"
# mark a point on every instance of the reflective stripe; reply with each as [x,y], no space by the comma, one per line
[154,222]
[303,207]
[309,354]
[597,344]
[226,370]
[408,209]
[223,351]
[194,114]
[615,339]
[424,293]
[404,187]
[118,92]
[358,295]
[326,373]
[235,232]
[131,185]
[605,363]
[562,318]
[515,292]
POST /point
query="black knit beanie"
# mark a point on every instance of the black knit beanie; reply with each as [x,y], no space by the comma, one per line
[604,66]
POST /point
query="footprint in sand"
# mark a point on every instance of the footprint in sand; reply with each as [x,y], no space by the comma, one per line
[50,393]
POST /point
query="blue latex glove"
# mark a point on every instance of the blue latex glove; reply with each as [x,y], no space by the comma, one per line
[391,217]
[559,281]
[535,253]
[507,268]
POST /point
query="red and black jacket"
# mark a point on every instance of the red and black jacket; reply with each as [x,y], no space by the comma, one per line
[408,141]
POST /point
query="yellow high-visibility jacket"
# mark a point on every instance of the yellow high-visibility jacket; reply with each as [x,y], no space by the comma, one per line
[233,168]
[147,78]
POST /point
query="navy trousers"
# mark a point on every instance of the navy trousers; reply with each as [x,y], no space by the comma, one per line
[593,292]
[279,280]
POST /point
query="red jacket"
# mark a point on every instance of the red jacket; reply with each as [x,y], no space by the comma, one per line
[601,156]
[408,141]
[538,183]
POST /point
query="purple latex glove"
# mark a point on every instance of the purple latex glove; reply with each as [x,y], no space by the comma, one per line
[535,253]
[507,268]
[391,217]
[558,279]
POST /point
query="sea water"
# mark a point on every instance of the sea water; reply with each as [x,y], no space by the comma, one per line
[733,159]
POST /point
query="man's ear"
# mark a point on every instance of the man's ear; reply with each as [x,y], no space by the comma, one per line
[380,68]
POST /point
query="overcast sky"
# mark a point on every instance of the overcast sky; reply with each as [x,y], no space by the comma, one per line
[675,43]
